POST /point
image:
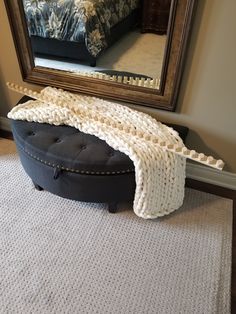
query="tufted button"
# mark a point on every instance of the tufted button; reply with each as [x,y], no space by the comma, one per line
[83,147]
[111,153]
[58,140]
[31,133]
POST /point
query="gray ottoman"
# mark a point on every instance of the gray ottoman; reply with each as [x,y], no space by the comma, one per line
[75,165]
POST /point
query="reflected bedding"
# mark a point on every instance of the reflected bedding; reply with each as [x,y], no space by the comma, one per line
[87,21]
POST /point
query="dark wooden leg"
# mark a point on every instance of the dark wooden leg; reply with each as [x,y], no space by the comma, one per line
[37,187]
[93,62]
[112,207]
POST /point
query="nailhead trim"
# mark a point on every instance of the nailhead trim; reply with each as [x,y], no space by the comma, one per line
[76,170]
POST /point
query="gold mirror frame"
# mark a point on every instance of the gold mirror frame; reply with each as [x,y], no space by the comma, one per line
[181,16]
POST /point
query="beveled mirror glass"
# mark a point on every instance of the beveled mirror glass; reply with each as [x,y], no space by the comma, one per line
[126,50]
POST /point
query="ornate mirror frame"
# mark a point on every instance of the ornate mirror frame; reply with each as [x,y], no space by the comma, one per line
[181,16]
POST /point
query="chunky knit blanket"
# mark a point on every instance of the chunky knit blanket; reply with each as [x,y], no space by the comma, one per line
[159,173]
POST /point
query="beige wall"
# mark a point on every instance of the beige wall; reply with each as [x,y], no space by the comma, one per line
[206,103]
[9,67]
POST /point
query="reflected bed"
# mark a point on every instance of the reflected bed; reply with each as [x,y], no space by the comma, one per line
[78,30]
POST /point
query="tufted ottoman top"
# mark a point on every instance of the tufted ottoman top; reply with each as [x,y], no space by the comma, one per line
[68,148]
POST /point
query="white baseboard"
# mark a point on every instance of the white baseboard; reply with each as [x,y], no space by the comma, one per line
[5,124]
[210,175]
[193,171]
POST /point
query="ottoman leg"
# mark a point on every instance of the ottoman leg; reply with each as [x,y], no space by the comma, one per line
[112,207]
[37,187]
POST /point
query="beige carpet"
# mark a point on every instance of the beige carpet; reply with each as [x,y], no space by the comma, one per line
[61,256]
[135,52]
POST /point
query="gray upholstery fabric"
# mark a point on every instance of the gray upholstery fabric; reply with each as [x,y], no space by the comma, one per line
[68,147]
[75,165]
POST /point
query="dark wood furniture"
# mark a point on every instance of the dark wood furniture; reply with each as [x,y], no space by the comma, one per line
[155,16]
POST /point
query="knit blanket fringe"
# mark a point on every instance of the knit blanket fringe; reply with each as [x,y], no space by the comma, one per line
[159,173]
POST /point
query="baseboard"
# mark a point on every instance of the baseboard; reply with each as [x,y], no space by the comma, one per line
[5,124]
[210,175]
[194,171]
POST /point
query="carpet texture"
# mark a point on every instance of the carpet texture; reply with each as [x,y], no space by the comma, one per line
[63,256]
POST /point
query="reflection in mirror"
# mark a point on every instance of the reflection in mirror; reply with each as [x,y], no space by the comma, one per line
[122,41]
[149,15]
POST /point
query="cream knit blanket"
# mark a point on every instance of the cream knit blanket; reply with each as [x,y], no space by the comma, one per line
[159,173]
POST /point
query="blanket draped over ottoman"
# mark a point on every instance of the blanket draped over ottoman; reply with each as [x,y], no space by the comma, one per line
[159,173]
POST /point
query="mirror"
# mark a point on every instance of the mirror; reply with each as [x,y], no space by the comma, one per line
[127,50]
[110,40]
